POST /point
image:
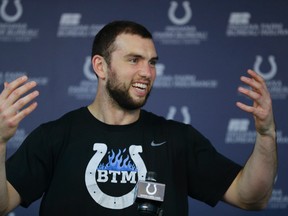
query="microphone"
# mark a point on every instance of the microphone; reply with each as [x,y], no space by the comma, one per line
[150,195]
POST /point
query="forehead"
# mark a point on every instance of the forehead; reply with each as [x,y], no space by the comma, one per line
[127,43]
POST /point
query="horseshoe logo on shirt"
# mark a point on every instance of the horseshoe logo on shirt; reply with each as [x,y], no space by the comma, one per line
[11,18]
[96,193]
[273,70]
[172,10]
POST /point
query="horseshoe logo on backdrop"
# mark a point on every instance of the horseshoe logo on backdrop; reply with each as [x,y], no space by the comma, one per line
[172,10]
[273,70]
[185,112]
[96,193]
[276,178]
[87,69]
[11,18]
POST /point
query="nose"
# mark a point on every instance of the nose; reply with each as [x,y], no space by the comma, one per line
[147,70]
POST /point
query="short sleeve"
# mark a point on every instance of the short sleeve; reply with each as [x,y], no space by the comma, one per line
[209,173]
[29,169]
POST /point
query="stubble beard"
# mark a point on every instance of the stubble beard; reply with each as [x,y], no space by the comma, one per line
[119,93]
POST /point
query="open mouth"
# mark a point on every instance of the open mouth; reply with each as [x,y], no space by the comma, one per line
[140,86]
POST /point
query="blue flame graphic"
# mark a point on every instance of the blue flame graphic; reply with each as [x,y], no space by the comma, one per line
[116,162]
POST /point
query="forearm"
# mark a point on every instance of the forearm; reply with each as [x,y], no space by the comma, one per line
[3,181]
[255,183]
[9,197]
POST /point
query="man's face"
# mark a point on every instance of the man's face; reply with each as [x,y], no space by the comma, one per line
[132,71]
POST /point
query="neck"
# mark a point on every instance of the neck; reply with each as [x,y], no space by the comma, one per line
[109,114]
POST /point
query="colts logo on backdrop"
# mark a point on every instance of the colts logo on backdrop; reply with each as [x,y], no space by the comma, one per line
[172,13]
[273,67]
[118,170]
[11,18]
[89,74]
[184,111]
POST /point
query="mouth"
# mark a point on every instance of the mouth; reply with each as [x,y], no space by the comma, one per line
[141,89]
[140,86]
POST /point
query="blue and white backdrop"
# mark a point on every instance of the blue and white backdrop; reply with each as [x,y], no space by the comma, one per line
[204,47]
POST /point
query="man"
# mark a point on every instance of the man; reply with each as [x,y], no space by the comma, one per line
[89,161]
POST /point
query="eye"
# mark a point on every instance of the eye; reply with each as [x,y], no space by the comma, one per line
[153,63]
[133,60]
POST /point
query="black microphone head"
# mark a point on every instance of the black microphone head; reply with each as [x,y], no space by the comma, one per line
[150,195]
[151,176]
[148,209]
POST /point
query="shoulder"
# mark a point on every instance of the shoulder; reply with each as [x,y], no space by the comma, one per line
[57,130]
[176,127]
[67,117]
[62,123]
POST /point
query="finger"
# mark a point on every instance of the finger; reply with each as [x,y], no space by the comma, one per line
[255,76]
[16,108]
[19,104]
[245,107]
[10,87]
[23,113]
[17,112]
[254,95]
[258,78]
[17,93]
[257,83]
[256,86]
[14,121]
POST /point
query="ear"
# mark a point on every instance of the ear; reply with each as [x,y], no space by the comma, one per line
[99,66]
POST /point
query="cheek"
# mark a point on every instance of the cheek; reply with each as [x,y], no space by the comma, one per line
[153,74]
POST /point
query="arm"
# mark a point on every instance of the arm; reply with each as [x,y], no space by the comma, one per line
[13,110]
[253,186]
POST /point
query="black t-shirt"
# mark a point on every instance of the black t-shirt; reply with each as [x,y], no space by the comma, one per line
[82,166]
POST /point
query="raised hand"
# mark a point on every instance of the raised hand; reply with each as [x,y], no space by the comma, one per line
[262,103]
[14,105]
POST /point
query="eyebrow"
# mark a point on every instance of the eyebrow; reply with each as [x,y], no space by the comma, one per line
[156,58]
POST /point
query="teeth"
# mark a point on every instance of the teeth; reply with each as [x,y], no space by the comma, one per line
[140,85]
